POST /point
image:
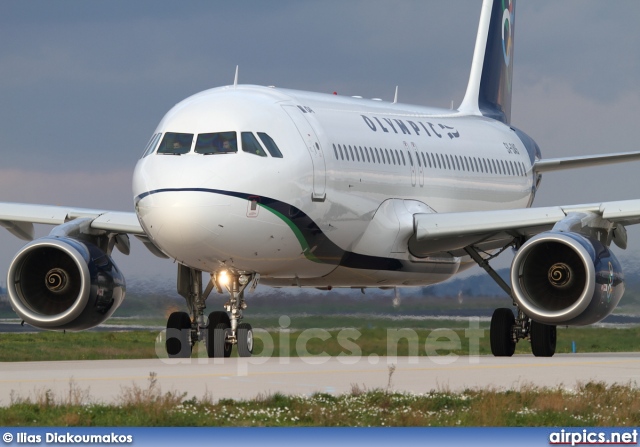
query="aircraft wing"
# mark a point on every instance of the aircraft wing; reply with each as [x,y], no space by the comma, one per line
[19,218]
[450,232]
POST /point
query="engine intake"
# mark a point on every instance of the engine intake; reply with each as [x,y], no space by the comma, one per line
[63,283]
[566,278]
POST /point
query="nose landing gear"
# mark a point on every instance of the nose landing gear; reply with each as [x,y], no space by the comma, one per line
[222,329]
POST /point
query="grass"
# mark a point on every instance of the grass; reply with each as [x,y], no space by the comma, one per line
[46,346]
[49,346]
[589,404]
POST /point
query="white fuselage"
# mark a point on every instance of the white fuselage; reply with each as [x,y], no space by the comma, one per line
[336,209]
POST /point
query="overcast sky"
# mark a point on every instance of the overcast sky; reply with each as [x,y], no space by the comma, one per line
[83,84]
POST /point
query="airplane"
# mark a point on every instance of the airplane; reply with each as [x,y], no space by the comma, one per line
[286,188]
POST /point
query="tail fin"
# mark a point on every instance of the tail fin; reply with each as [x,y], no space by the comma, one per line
[489,89]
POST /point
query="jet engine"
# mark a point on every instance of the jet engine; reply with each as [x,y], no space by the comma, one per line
[565,278]
[61,283]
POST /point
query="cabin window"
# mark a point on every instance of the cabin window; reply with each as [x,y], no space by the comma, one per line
[250,145]
[346,152]
[175,143]
[354,156]
[468,165]
[271,145]
[216,143]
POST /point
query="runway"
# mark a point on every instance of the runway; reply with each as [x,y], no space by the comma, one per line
[106,380]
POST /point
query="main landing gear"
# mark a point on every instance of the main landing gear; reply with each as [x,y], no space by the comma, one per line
[506,329]
[222,329]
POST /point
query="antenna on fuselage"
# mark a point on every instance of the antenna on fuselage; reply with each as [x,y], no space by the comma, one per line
[395,97]
[235,79]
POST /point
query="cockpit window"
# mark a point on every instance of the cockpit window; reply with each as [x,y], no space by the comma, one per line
[251,145]
[217,143]
[175,143]
[153,142]
[270,145]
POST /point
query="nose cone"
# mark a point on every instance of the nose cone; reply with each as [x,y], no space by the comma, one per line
[203,211]
[210,229]
[188,224]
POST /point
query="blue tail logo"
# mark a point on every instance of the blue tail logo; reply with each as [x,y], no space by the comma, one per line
[489,89]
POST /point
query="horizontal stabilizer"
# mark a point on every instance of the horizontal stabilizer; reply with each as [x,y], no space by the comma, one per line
[560,164]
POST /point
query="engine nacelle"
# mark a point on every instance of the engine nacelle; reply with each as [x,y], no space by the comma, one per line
[61,283]
[564,278]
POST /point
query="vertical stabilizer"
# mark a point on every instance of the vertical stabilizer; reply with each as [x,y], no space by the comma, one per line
[489,89]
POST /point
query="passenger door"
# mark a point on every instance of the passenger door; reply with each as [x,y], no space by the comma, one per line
[315,151]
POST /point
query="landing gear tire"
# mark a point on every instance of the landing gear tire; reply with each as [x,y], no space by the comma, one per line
[178,339]
[501,333]
[245,340]
[219,326]
[218,346]
[543,339]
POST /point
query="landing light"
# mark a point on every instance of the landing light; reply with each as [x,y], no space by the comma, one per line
[223,278]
